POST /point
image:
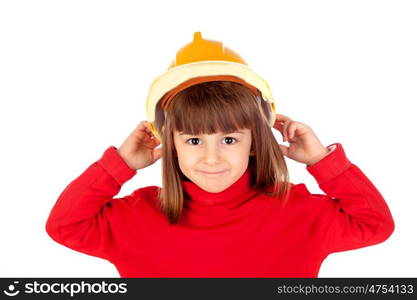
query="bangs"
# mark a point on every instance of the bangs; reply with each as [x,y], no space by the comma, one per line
[211,107]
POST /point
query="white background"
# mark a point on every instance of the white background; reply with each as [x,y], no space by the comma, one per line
[74,76]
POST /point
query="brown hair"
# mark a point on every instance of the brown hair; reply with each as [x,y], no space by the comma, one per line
[218,106]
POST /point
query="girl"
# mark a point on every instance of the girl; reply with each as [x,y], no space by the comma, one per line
[227,208]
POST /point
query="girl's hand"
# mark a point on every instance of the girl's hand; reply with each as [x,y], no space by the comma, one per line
[138,150]
[305,147]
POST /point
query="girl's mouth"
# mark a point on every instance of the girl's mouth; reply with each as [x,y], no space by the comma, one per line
[213,173]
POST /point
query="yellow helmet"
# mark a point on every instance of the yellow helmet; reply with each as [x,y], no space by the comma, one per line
[200,61]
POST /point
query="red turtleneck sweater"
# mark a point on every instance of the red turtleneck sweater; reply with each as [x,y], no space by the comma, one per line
[235,233]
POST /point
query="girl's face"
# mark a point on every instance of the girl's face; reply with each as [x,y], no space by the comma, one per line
[225,156]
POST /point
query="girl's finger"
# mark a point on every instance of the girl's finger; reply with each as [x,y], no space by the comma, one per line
[141,125]
[280,117]
[291,130]
[148,126]
[285,131]
[278,126]
[144,126]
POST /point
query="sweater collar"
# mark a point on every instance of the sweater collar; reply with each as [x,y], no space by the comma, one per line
[231,195]
[205,208]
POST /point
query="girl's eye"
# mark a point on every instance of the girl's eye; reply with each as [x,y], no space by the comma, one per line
[226,138]
[230,139]
[192,139]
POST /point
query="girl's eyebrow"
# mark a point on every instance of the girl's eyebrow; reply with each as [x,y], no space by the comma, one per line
[240,132]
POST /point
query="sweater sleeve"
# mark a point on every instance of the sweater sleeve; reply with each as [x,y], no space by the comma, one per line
[353,214]
[86,217]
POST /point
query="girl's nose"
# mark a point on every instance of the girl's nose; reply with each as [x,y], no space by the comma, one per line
[211,154]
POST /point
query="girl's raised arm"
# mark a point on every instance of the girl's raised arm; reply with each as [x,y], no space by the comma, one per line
[352,214]
[86,217]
